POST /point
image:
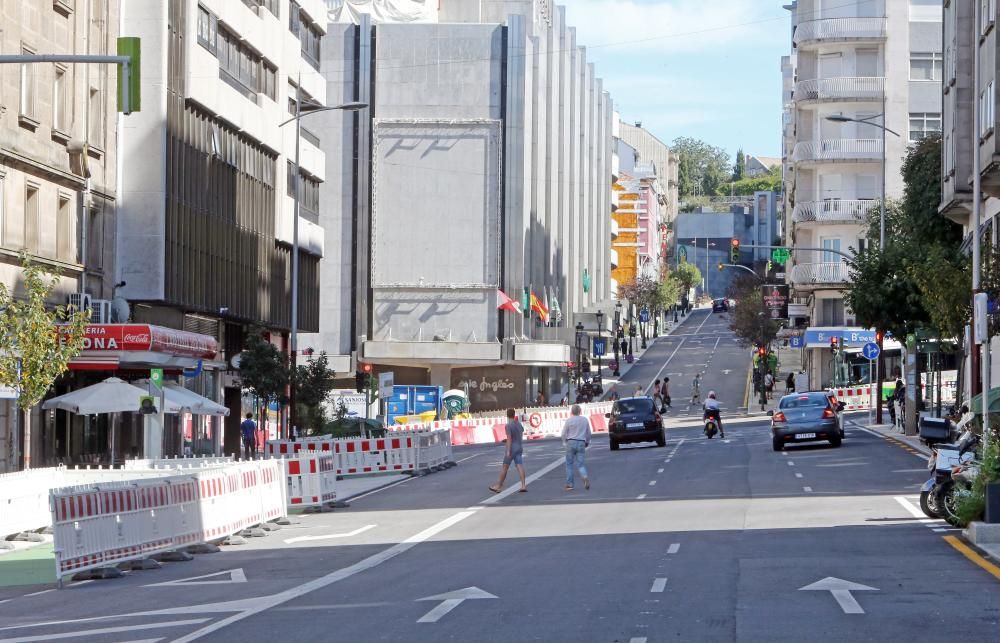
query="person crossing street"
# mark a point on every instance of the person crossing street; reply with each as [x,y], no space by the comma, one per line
[576,438]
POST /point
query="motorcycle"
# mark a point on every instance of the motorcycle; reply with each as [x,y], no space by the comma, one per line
[962,476]
[941,435]
[711,427]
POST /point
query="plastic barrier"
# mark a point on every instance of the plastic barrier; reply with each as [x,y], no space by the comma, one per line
[312,479]
[177,463]
[434,450]
[854,398]
[96,525]
[396,453]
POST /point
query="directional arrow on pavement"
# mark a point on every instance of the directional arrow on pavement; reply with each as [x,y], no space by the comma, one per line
[841,590]
[450,601]
[346,534]
[216,578]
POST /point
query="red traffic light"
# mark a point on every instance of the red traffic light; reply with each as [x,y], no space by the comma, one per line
[736,243]
[367,368]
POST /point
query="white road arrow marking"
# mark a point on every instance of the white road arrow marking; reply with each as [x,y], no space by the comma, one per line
[841,590]
[450,601]
[300,539]
[232,576]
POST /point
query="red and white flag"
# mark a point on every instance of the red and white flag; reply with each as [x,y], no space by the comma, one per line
[506,303]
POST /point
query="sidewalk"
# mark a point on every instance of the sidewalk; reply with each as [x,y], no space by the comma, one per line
[888,432]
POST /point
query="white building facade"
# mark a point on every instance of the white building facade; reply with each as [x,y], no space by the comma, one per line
[877,61]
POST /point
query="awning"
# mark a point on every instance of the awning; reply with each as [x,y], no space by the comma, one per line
[110,396]
[180,400]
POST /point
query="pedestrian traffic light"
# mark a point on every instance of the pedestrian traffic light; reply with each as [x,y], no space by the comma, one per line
[734,251]
[770,266]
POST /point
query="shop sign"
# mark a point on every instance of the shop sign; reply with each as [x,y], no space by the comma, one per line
[145,337]
[8,393]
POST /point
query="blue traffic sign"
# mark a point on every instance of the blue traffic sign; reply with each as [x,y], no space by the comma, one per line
[871,350]
[600,346]
[644,315]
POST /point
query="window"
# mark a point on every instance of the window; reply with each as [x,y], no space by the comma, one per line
[60,119]
[269,80]
[949,155]
[27,99]
[31,218]
[270,5]
[925,11]
[925,66]
[831,244]
[862,245]
[64,230]
[987,15]
[987,101]
[310,37]
[208,29]
[294,17]
[238,64]
[922,123]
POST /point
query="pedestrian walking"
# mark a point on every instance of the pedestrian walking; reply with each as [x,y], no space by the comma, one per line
[638,392]
[696,389]
[248,430]
[665,394]
[540,399]
[513,453]
[657,396]
[899,396]
[576,438]
[769,384]
[790,383]
[565,400]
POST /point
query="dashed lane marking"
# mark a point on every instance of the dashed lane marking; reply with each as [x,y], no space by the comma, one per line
[807,489]
[674,548]
[641,496]
[659,584]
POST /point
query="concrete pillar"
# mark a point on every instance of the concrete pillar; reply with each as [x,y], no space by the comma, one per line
[440,375]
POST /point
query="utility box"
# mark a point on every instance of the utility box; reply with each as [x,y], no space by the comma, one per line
[413,400]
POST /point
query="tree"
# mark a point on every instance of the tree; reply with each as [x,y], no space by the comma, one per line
[33,353]
[264,372]
[751,321]
[701,167]
[740,167]
[313,384]
[770,182]
[687,275]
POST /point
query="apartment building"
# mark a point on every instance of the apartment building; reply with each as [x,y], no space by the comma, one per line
[205,233]
[877,63]
[489,136]
[57,126]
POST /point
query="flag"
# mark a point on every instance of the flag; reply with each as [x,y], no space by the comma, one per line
[506,303]
[556,310]
[538,307]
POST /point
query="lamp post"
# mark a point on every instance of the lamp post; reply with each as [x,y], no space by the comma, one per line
[600,335]
[617,327]
[300,111]
[838,118]
[579,352]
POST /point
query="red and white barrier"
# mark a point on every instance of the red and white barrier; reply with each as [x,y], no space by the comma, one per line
[312,479]
[96,525]
[854,398]
[396,453]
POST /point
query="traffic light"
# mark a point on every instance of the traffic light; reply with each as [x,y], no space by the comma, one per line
[129,96]
[833,344]
[721,266]
[734,251]
[359,381]
[762,351]
[770,266]
[878,337]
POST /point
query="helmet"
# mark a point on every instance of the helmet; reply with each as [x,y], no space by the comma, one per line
[711,394]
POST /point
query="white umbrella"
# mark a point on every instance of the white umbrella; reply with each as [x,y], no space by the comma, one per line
[192,402]
[110,396]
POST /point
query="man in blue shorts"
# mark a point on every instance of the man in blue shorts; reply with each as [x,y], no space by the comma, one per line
[513,453]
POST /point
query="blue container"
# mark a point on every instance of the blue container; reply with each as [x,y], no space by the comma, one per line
[413,400]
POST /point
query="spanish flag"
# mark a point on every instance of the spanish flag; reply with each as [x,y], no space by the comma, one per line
[539,307]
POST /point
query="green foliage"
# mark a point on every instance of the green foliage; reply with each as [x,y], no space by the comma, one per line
[687,275]
[971,505]
[313,384]
[642,292]
[692,203]
[740,167]
[750,320]
[770,182]
[264,370]
[701,167]
[29,341]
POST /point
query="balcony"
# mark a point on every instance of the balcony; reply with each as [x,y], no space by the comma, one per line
[840,89]
[838,149]
[839,29]
[614,258]
[842,211]
[818,275]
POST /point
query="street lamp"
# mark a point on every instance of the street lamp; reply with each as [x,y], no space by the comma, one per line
[579,352]
[300,111]
[617,326]
[600,335]
[839,118]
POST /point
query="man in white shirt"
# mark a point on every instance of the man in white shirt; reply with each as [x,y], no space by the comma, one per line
[713,410]
[576,437]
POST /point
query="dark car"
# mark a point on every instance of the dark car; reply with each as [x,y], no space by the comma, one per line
[805,417]
[720,305]
[634,419]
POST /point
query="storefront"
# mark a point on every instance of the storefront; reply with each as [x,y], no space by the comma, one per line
[129,352]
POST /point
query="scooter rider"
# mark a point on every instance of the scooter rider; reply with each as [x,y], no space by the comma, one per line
[712,410]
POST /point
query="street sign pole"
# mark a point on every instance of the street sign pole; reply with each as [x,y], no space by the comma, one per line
[871,392]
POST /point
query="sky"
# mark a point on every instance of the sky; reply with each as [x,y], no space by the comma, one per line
[708,69]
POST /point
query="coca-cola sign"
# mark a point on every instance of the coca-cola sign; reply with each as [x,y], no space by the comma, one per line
[145,337]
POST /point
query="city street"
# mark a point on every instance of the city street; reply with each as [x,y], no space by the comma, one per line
[721,540]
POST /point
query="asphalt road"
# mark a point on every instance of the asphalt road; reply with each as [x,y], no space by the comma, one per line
[704,540]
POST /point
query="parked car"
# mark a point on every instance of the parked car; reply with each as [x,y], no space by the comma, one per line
[805,417]
[838,406]
[720,305]
[635,419]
